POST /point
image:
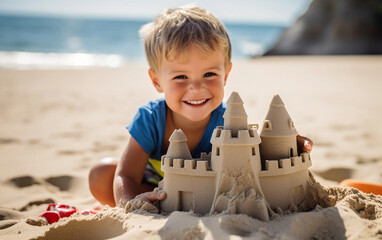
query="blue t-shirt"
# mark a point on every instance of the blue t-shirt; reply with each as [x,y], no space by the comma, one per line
[149,125]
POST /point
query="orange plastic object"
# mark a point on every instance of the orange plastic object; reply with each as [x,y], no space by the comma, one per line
[363,186]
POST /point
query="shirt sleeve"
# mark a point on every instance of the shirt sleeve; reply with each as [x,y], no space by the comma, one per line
[147,127]
[143,129]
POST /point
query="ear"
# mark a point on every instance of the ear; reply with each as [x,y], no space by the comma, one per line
[227,73]
[155,80]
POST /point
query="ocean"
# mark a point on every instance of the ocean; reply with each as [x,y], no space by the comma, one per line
[58,42]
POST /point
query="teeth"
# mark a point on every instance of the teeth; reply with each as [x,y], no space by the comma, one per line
[196,102]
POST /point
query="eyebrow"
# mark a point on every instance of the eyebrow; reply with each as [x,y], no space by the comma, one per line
[184,71]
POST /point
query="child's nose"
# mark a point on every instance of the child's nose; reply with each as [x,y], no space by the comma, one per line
[196,86]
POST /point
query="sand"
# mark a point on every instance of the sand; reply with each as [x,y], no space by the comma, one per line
[55,124]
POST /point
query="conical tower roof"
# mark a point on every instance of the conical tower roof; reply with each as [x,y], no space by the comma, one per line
[278,123]
[178,146]
[178,136]
[235,117]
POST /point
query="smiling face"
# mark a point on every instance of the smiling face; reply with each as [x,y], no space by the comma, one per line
[195,87]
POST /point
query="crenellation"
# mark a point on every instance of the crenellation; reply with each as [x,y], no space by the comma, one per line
[243,138]
[217,131]
[271,165]
[167,161]
[251,132]
[305,157]
[285,166]
[178,163]
[205,156]
[202,165]
[297,162]
[189,164]
[186,166]
[284,163]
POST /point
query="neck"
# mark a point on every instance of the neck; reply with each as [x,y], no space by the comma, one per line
[180,122]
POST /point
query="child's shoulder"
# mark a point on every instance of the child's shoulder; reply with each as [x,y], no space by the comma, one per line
[154,105]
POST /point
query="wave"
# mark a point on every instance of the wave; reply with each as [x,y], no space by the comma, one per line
[34,60]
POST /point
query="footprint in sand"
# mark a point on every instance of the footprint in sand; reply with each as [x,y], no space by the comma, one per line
[36,203]
[7,223]
[64,182]
[8,140]
[336,174]
[99,227]
[10,214]
[365,160]
[24,181]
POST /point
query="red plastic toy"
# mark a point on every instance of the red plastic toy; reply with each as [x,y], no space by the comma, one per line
[55,211]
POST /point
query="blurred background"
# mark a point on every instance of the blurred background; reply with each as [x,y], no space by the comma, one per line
[54,33]
[70,33]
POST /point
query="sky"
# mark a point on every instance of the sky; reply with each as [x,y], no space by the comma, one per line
[282,12]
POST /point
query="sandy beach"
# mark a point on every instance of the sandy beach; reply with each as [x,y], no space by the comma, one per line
[56,124]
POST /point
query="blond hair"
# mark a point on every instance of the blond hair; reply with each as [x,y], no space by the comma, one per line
[174,30]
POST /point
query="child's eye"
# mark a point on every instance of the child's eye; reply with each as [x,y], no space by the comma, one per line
[209,74]
[181,77]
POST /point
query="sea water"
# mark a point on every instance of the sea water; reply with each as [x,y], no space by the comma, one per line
[44,42]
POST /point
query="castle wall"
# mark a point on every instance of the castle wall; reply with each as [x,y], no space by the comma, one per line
[187,192]
[189,184]
[286,165]
[284,190]
[284,181]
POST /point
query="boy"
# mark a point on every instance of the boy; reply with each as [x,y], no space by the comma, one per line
[189,55]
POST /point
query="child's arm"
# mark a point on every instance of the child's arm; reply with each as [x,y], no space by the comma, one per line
[129,174]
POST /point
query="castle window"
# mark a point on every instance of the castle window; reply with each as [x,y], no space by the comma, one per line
[253,151]
[267,125]
[217,151]
[291,124]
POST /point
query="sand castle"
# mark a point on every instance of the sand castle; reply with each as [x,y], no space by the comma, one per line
[245,173]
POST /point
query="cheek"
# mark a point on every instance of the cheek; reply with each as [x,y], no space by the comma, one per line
[216,86]
[176,89]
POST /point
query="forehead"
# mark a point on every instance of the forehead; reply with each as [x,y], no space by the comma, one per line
[194,61]
[193,51]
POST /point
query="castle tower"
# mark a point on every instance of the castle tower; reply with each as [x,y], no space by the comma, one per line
[278,134]
[235,117]
[178,146]
[284,176]
[235,158]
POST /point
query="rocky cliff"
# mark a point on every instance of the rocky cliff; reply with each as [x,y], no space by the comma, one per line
[334,27]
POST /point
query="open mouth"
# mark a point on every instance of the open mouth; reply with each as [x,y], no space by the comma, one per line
[198,102]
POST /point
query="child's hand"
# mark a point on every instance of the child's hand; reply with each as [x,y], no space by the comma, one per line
[146,201]
[150,197]
[304,144]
